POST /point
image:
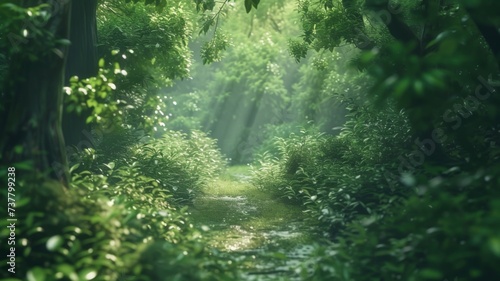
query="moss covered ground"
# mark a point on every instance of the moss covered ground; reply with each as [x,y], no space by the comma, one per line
[268,236]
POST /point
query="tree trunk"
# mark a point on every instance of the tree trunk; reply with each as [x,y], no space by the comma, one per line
[33,102]
[82,62]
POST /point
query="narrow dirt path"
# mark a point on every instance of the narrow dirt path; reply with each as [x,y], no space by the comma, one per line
[267,236]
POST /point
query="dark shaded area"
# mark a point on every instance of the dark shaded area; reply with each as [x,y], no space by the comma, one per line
[31,123]
[82,62]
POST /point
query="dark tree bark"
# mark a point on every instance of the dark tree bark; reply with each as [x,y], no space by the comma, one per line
[33,102]
[82,62]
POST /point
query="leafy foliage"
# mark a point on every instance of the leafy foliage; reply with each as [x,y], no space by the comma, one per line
[182,164]
[438,233]
[152,48]
[406,191]
[256,91]
[95,95]
[404,180]
[23,32]
[179,164]
[212,50]
[81,239]
[339,178]
[115,223]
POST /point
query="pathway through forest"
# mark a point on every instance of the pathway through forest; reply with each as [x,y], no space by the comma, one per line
[267,236]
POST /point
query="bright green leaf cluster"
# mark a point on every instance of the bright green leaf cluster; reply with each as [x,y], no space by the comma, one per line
[94,95]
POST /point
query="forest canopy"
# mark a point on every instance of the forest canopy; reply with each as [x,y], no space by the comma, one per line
[250,140]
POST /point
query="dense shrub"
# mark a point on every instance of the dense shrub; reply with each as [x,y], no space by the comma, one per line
[433,222]
[172,247]
[121,218]
[179,163]
[447,230]
[98,230]
[340,178]
[62,235]
[273,136]
[287,174]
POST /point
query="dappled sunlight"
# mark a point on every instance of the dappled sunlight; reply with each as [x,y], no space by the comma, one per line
[250,140]
[250,223]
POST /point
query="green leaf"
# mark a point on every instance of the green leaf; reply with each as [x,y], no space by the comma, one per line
[66,269]
[88,274]
[101,63]
[401,87]
[255,3]
[418,86]
[431,274]
[439,38]
[73,79]
[36,274]
[54,243]
[495,246]
[279,256]
[248,5]
[448,47]
[18,149]
[110,165]
[432,80]
[64,42]
[13,7]
[74,167]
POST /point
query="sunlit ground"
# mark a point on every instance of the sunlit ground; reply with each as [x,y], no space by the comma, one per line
[259,230]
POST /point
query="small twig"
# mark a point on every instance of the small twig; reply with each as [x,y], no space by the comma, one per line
[217,15]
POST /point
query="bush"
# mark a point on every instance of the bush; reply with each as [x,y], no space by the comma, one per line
[286,175]
[265,142]
[447,230]
[120,219]
[340,178]
[436,223]
[171,246]
[180,164]
[98,230]
[62,235]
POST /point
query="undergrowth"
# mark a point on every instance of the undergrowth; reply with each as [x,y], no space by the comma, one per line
[119,220]
[180,164]
[434,222]
[339,178]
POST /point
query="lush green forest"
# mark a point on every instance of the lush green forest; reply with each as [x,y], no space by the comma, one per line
[250,140]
